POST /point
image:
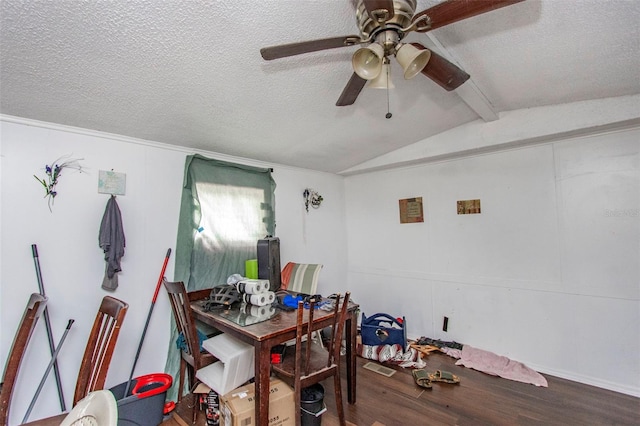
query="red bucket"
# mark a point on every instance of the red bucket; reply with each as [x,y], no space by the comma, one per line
[144,405]
[151,384]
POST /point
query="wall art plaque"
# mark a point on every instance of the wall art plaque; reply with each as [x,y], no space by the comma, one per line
[411,210]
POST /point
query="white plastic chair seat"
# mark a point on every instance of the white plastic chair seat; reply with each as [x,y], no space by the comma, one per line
[99,408]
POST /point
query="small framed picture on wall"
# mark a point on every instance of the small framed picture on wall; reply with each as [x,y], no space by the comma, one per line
[411,210]
[469,207]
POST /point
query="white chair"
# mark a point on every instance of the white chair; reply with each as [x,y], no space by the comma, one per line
[98,408]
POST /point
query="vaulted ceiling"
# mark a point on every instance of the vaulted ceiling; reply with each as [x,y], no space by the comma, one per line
[189,72]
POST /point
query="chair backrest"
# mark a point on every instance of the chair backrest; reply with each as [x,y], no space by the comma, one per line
[100,346]
[303,369]
[303,352]
[337,330]
[34,309]
[180,305]
[301,277]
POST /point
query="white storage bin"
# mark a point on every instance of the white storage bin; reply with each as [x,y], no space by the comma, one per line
[236,363]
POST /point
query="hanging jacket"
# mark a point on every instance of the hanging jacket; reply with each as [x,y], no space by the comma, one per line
[112,242]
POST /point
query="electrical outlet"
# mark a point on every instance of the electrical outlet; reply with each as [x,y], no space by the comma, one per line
[445,324]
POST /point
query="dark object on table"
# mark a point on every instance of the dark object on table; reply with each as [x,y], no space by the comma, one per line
[269,261]
[223,295]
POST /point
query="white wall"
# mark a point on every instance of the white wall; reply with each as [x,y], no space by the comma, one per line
[548,273]
[317,236]
[72,263]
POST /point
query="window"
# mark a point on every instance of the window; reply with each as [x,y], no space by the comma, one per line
[226,208]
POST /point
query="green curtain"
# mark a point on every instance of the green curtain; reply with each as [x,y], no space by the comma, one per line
[225,209]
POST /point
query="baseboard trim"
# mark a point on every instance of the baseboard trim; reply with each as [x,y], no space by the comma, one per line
[588,380]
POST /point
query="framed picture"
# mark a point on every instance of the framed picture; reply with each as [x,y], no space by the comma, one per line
[110,182]
[411,210]
[469,207]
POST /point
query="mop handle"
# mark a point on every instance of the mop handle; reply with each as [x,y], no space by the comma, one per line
[159,284]
[146,324]
[47,324]
[46,373]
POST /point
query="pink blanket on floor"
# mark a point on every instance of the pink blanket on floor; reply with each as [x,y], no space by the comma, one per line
[497,365]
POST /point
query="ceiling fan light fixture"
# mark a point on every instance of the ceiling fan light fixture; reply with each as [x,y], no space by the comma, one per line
[367,61]
[412,59]
[383,80]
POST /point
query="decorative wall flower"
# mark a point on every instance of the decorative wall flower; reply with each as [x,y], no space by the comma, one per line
[53,172]
[312,198]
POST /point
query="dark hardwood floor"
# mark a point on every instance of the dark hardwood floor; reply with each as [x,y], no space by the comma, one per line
[479,399]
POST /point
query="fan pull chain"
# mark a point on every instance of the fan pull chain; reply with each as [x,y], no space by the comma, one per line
[388,115]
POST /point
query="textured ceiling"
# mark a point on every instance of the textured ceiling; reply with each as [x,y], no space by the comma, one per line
[189,73]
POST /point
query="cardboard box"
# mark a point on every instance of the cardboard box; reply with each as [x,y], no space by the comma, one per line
[237,408]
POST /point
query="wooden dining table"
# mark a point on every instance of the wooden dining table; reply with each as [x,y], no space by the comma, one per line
[275,331]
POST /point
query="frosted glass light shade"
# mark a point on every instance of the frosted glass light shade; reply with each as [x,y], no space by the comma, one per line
[383,80]
[412,59]
[367,61]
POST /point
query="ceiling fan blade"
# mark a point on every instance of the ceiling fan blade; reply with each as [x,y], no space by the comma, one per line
[379,5]
[284,50]
[451,11]
[448,75]
[351,90]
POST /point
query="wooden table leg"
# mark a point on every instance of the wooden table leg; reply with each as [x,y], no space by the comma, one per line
[350,328]
[262,373]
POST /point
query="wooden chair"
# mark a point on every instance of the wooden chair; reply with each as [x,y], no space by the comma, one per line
[32,312]
[100,345]
[301,277]
[191,359]
[312,363]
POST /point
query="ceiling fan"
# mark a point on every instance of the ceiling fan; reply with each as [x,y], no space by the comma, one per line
[383,25]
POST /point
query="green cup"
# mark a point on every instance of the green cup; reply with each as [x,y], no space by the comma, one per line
[251,269]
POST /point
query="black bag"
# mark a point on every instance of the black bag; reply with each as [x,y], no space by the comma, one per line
[374,333]
[269,261]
